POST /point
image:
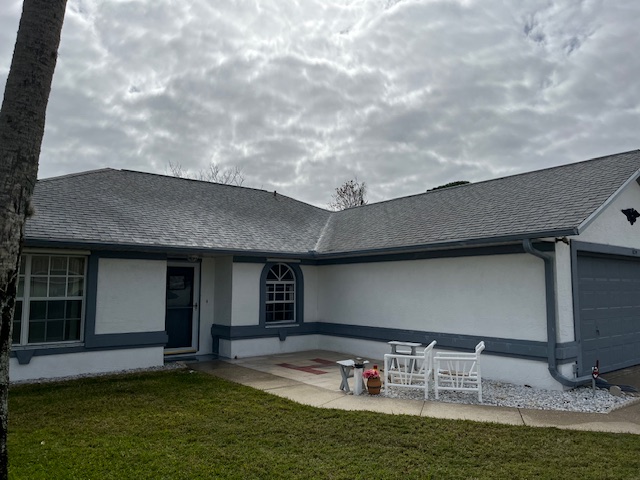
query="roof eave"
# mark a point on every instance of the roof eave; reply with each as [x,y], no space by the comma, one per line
[477,242]
[587,221]
[180,250]
[170,250]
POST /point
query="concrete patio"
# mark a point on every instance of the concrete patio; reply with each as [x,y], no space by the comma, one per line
[313,378]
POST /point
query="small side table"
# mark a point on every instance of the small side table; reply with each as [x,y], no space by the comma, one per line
[412,345]
[395,344]
[346,371]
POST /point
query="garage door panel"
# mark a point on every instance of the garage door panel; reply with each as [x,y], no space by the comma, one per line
[609,312]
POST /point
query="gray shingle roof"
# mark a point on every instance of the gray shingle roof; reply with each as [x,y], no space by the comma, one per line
[113,207]
[132,208]
[541,203]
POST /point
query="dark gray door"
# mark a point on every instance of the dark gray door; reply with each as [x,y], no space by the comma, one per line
[181,297]
[609,312]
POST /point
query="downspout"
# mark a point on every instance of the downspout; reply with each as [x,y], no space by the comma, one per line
[550,285]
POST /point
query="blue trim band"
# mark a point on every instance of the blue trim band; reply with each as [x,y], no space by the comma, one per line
[528,349]
[399,257]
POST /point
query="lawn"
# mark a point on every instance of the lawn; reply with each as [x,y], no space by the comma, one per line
[178,424]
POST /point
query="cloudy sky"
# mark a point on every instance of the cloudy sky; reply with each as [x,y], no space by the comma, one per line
[303,95]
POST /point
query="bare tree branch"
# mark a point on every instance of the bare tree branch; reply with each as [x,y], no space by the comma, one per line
[213,173]
[350,194]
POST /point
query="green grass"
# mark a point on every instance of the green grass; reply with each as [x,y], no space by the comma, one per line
[181,425]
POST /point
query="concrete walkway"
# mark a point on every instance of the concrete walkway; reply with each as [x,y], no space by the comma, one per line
[312,378]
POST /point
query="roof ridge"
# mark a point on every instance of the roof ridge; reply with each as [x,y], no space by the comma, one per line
[78,174]
[489,180]
[223,185]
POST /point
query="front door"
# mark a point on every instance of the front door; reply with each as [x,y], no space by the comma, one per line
[182,307]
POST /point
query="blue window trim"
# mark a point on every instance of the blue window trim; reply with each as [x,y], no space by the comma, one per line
[93,341]
[299,304]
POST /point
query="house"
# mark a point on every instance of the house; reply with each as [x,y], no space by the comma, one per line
[122,269]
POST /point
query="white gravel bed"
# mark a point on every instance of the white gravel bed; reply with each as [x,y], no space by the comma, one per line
[581,399]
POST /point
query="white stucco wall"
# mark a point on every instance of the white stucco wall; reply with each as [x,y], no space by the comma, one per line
[207,305]
[131,295]
[310,276]
[69,364]
[245,303]
[611,227]
[564,293]
[498,296]
[223,293]
[269,346]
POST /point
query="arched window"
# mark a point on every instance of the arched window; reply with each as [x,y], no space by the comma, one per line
[280,299]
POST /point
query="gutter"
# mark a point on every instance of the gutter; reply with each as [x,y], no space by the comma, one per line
[550,285]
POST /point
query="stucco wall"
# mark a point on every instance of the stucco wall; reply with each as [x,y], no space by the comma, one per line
[270,346]
[564,293]
[245,309]
[611,227]
[222,288]
[69,364]
[310,277]
[131,295]
[207,305]
[498,295]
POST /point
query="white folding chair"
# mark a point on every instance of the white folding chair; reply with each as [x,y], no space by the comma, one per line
[409,371]
[457,371]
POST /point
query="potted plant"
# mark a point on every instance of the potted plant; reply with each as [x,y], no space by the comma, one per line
[373,380]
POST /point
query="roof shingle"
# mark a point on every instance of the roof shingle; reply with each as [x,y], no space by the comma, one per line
[139,209]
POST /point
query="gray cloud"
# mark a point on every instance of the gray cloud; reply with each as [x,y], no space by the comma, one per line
[405,95]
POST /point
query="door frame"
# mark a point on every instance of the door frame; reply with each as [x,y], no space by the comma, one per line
[578,249]
[195,319]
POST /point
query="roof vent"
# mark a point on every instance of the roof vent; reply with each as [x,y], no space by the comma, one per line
[631,214]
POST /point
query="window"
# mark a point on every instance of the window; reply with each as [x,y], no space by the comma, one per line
[49,301]
[280,294]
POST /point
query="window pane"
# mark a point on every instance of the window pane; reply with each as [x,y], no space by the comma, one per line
[76,266]
[38,286]
[17,323]
[58,265]
[23,265]
[55,331]
[75,287]
[40,266]
[38,310]
[55,310]
[57,287]
[287,275]
[36,331]
[72,330]
[20,293]
[74,309]
[280,294]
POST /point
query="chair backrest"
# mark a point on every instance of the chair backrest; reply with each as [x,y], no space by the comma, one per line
[428,357]
[429,348]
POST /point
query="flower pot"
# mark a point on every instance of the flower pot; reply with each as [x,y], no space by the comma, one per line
[373,385]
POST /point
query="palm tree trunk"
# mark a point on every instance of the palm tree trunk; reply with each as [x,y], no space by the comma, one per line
[22,120]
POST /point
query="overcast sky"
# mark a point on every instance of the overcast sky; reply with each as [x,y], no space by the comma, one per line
[304,95]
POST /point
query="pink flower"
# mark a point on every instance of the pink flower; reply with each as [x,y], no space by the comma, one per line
[371,373]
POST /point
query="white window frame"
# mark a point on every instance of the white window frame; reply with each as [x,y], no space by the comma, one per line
[26,274]
[284,270]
